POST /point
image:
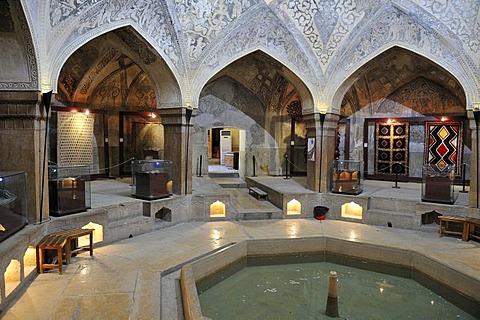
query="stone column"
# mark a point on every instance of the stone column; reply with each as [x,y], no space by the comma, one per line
[22,135]
[475,163]
[174,121]
[312,123]
[329,144]
[318,171]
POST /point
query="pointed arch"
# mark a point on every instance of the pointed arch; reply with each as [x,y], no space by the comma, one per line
[303,88]
[165,77]
[261,31]
[393,27]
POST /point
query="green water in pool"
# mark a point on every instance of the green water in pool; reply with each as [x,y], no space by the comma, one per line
[299,291]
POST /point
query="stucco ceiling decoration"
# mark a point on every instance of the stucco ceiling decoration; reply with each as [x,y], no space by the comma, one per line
[203,20]
[6,21]
[460,16]
[428,98]
[15,13]
[260,29]
[136,45]
[262,76]
[392,25]
[399,76]
[151,15]
[97,69]
[324,23]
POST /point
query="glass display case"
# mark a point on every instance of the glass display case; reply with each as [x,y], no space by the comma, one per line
[346,177]
[13,202]
[152,179]
[69,189]
[437,183]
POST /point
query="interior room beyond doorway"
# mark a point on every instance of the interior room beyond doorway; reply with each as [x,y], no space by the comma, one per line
[226,150]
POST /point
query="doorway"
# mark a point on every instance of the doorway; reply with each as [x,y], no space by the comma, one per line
[226,150]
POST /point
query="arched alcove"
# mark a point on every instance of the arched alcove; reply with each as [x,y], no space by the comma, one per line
[253,94]
[402,91]
[12,276]
[29,260]
[122,81]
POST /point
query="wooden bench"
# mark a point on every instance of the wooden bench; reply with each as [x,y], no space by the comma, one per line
[258,193]
[59,241]
[446,222]
[473,224]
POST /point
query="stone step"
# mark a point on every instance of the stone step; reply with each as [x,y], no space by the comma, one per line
[395,219]
[259,215]
[389,204]
[125,211]
[223,174]
[127,228]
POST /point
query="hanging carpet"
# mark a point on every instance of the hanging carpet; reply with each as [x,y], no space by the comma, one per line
[443,145]
[391,148]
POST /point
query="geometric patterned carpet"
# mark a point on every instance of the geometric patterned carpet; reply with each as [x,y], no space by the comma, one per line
[444,145]
[391,148]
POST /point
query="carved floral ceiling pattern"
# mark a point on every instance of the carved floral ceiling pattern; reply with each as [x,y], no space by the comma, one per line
[263,30]
[151,15]
[203,20]
[462,17]
[325,23]
[322,39]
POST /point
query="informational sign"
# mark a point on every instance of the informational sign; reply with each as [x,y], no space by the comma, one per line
[311,149]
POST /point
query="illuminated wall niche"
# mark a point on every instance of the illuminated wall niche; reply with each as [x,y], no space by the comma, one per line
[352,210]
[97,234]
[217,210]
[294,207]
[12,276]
[29,260]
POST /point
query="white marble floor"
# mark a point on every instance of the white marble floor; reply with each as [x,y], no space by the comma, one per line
[123,280]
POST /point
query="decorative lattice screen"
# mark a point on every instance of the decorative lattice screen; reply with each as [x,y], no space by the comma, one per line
[75,139]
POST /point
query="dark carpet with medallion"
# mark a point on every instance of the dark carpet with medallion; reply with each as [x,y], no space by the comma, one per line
[391,148]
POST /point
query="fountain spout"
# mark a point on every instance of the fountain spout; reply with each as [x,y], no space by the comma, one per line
[332,299]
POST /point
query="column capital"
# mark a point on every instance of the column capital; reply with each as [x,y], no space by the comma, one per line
[175,116]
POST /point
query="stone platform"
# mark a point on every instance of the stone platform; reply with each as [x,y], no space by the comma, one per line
[120,216]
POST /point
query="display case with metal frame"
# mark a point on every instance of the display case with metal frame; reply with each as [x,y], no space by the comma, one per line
[13,202]
[69,189]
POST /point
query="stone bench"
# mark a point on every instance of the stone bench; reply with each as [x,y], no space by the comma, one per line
[62,241]
[258,193]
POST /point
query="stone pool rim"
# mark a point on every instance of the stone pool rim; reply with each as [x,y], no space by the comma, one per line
[428,265]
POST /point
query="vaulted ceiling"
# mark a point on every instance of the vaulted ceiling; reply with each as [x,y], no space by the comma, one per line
[403,77]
